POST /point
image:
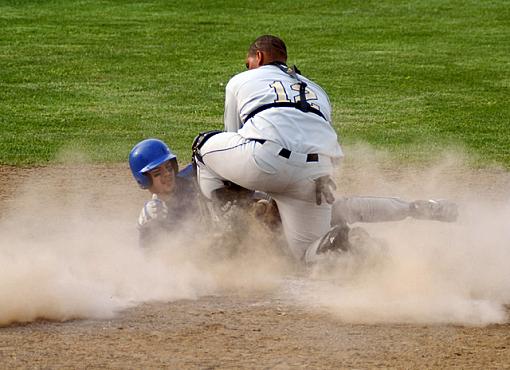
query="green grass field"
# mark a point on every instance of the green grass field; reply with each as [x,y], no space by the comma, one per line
[95,77]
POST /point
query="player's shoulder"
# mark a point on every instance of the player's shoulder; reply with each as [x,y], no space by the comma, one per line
[187,172]
[313,84]
[240,79]
[185,181]
[253,75]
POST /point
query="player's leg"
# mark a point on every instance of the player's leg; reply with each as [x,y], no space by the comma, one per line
[369,209]
[208,181]
[303,222]
[229,156]
[290,181]
[217,157]
[307,230]
[434,209]
[383,209]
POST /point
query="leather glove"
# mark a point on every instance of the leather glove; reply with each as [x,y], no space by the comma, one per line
[267,212]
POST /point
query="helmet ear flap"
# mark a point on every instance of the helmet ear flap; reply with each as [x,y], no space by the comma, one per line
[175,165]
[144,180]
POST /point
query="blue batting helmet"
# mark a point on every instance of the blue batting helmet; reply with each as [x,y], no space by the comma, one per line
[147,155]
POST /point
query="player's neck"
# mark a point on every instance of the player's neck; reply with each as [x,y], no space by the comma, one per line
[276,63]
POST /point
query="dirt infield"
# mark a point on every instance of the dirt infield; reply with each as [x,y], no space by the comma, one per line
[247,332]
[77,293]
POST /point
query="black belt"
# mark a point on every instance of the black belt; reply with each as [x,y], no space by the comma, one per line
[302,107]
[285,153]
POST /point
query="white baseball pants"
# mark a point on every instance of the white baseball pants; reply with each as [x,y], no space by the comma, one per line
[289,181]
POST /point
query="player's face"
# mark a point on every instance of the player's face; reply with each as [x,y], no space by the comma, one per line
[163,179]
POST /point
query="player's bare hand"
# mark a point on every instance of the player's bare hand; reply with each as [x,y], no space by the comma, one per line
[324,187]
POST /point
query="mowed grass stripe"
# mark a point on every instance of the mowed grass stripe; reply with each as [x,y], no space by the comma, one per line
[97,76]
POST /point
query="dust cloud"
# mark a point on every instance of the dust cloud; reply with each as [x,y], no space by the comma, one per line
[69,249]
[429,272]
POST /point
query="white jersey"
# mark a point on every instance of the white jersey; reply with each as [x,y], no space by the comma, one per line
[303,132]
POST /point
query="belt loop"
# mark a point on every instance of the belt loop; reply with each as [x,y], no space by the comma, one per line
[312,157]
[288,154]
[285,153]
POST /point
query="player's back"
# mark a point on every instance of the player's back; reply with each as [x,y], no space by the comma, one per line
[304,132]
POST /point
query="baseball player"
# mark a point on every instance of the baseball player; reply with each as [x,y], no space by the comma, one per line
[279,140]
[174,195]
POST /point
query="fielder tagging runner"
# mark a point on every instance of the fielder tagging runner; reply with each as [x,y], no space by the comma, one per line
[176,201]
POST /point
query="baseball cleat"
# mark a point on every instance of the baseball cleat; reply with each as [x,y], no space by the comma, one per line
[336,240]
[434,209]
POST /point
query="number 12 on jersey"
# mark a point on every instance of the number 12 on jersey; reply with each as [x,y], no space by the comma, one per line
[283,97]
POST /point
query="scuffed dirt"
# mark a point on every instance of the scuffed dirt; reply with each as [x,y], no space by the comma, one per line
[235,331]
[242,325]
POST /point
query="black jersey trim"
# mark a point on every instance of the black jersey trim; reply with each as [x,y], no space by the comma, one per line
[284,105]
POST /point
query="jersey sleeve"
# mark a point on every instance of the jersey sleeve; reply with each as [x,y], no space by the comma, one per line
[232,120]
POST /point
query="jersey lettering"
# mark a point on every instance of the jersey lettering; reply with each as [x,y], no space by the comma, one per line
[282,96]
[309,95]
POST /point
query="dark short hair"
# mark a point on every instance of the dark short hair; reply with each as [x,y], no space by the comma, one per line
[272,45]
